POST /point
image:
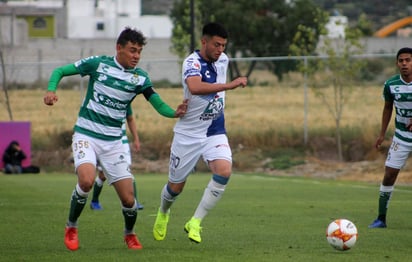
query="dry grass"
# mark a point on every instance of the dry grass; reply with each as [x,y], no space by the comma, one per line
[254,110]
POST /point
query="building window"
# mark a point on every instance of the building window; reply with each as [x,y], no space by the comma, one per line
[39,23]
[100,26]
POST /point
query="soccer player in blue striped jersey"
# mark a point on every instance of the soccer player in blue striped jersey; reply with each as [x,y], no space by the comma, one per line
[114,81]
[397,93]
[201,132]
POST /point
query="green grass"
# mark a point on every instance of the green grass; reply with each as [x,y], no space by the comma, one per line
[260,218]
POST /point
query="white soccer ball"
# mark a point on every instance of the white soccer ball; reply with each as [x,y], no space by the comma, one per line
[342,234]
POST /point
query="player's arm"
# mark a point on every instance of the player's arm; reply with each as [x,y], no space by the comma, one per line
[161,107]
[131,123]
[58,73]
[198,87]
[386,118]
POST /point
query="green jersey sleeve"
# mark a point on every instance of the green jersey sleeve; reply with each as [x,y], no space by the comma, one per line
[58,73]
[161,107]
[129,111]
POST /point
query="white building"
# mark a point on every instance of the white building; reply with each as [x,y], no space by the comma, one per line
[77,19]
[336,26]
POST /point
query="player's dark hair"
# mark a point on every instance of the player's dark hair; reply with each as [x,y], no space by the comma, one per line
[131,35]
[404,50]
[214,29]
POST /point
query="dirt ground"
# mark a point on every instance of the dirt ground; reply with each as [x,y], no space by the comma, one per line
[366,171]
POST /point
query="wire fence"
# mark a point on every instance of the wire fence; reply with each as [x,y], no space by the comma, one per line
[22,73]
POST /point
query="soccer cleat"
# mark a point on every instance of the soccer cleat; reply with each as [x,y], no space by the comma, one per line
[95,206]
[193,228]
[132,242]
[377,224]
[139,206]
[71,239]
[160,225]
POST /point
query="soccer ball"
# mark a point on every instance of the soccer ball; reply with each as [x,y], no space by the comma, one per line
[342,234]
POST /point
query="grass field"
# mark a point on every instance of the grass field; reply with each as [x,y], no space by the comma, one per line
[260,218]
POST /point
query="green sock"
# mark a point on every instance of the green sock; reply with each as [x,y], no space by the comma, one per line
[77,204]
[384,198]
[130,216]
[97,189]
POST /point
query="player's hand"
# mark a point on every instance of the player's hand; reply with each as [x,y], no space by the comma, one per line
[181,109]
[50,98]
[379,142]
[240,81]
[136,145]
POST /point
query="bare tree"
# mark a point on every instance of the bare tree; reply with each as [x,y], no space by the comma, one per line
[6,95]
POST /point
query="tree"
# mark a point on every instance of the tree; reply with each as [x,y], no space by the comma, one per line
[6,95]
[256,28]
[332,74]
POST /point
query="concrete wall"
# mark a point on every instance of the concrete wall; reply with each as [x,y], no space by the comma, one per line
[35,60]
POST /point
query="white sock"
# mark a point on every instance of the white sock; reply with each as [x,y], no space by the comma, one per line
[99,182]
[212,194]
[167,197]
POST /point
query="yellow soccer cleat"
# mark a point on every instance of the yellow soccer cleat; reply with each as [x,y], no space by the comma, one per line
[193,229]
[160,225]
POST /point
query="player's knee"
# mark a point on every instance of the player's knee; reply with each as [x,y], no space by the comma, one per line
[129,202]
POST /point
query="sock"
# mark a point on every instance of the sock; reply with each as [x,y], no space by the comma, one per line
[385,194]
[212,194]
[130,216]
[167,197]
[97,189]
[77,203]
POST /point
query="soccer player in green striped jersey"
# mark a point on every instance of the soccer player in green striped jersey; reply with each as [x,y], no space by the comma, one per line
[114,81]
[135,145]
[397,93]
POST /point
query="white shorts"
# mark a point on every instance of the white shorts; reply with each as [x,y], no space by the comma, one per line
[186,151]
[398,154]
[111,156]
[128,157]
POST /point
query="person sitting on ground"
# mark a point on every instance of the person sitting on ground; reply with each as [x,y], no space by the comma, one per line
[13,157]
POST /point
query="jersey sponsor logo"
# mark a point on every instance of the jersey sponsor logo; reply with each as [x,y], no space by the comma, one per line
[81,154]
[107,101]
[102,78]
[130,77]
[121,160]
[213,109]
[193,64]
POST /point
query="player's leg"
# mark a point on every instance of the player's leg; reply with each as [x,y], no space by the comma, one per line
[84,161]
[397,156]
[124,189]
[126,148]
[119,176]
[97,189]
[139,205]
[219,158]
[183,158]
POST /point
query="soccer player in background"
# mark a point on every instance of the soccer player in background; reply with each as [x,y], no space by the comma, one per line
[397,94]
[100,178]
[114,81]
[201,132]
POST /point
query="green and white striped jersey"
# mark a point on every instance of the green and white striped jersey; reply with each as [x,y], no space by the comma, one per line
[110,91]
[400,92]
